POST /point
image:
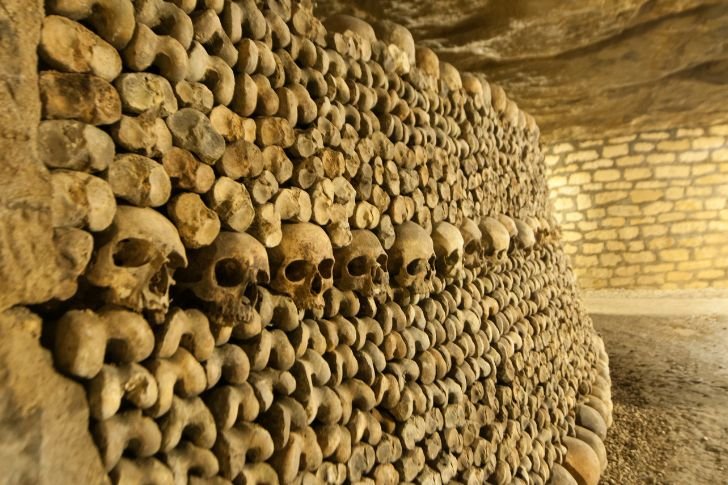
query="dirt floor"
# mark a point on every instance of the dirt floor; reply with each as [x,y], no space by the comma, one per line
[670,393]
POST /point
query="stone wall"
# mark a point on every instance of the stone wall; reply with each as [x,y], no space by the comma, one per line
[645,211]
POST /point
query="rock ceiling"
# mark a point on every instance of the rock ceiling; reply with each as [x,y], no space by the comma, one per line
[583,68]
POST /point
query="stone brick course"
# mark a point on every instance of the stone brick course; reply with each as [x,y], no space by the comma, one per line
[645,211]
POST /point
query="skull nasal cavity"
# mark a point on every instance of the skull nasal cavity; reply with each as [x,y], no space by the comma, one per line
[159,284]
[316,285]
[132,253]
[251,293]
[357,266]
[228,272]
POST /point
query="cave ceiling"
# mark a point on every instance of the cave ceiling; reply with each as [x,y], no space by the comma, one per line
[583,68]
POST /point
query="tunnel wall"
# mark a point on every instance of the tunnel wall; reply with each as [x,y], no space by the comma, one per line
[121,189]
[645,211]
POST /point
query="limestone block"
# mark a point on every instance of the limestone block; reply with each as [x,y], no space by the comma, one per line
[613,151]
[607,175]
[708,142]
[582,156]
[720,155]
[579,178]
[637,173]
[654,135]
[643,147]
[630,160]
[693,156]
[675,255]
[609,197]
[641,257]
[674,145]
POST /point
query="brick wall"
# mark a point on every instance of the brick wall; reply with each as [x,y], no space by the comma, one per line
[645,211]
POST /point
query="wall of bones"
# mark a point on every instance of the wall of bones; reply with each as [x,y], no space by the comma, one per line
[304,251]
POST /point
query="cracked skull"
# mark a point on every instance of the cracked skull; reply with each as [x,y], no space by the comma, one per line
[412,258]
[225,276]
[449,249]
[135,260]
[362,265]
[303,265]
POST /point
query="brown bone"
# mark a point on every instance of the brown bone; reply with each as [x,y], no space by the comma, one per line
[113,20]
[81,97]
[189,418]
[84,338]
[114,384]
[126,432]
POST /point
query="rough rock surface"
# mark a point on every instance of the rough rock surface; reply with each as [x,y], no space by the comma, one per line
[26,237]
[42,440]
[581,68]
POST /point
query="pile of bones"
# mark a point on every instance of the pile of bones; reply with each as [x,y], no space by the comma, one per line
[305,251]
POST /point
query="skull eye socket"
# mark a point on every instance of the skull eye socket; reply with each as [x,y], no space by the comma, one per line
[229,273]
[471,247]
[357,266]
[132,253]
[453,257]
[326,268]
[382,260]
[296,270]
[415,266]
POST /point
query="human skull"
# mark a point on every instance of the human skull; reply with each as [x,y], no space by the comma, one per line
[539,226]
[135,259]
[225,277]
[525,239]
[412,258]
[472,243]
[362,265]
[496,238]
[303,264]
[449,249]
[509,224]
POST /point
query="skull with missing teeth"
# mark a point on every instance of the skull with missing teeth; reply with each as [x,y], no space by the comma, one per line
[412,258]
[135,260]
[225,276]
[362,265]
[303,265]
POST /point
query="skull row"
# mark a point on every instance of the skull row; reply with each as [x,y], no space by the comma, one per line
[138,255]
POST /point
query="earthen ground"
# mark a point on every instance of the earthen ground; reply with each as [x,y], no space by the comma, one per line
[669,387]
